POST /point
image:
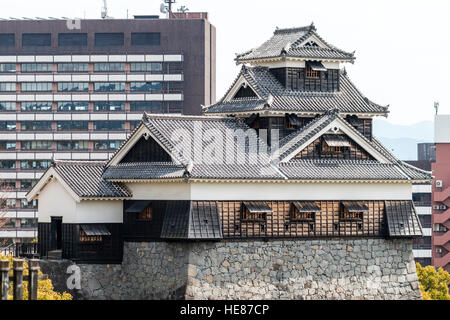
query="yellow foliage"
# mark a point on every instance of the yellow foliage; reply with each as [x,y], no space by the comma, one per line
[45,287]
[434,284]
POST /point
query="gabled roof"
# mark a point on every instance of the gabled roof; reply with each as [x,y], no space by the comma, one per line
[295,43]
[84,181]
[273,97]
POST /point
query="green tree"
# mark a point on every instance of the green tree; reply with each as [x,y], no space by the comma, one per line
[434,284]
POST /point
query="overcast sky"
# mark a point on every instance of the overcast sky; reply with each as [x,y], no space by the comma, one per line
[402,46]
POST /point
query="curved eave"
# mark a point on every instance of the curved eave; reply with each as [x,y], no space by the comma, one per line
[293,58]
[280,181]
[301,113]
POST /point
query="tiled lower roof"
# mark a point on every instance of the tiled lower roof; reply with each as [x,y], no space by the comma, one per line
[144,171]
[85,179]
[272,96]
[402,220]
[341,170]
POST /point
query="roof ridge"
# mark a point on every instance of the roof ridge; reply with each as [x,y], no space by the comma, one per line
[294,29]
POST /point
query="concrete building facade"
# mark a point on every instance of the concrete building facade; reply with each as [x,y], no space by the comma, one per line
[74,90]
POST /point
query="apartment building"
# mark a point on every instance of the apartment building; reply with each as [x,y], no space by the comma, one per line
[441,194]
[75,89]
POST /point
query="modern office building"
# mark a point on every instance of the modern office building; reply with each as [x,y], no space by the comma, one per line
[74,90]
[441,194]
[422,201]
[426,152]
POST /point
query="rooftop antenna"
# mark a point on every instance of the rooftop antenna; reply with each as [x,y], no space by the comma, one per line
[436,107]
[183,9]
[169,4]
[105,10]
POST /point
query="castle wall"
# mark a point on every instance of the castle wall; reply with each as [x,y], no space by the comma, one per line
[301,270]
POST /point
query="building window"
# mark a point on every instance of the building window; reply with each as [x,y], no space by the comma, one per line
[109,106]
[36,67]
[353,211]
[73,106]
[334,143]
[27,184]
[73,86]
[7,164]
[7,106]
[7,67]
[7,126]
[35,164]
[24,204]
[304,211]
[36,126]
[255,211]
[29,223]
[151,67]
[36,145]
[73,125]
[109,125]
[85,238]
[145,39]
[109,86]
[7,145]
[73,67]
[149,106]
[107,145]
[146,86]
[7,86]
[134,124]
[310,73]
[109,39]
[173,87]
[146,214]
[7,40]
[36,106]
[72,39]
[8,185]
[109,67]
[37,86]
[36,40]
[72,145]
[437,227]
[9,223]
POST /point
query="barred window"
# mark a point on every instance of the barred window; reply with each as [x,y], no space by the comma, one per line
[310,73]
[146,214]
[86,238]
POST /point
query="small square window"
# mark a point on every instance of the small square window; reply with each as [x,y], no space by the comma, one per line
[146,214]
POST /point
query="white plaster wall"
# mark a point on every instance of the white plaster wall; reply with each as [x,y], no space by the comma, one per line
[55,201]
[160,191]
[270,191]
[300,191]
[98,211]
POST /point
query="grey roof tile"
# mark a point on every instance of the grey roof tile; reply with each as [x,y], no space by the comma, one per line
[289,43]
[402,220]
[85,179]
[272,96]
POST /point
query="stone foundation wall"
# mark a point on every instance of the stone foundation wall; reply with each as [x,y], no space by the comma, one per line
[302,270]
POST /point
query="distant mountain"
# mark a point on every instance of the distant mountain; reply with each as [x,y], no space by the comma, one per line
[402,140]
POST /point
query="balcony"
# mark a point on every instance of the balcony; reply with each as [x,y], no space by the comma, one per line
[443,218]
[442,261]
[441,196]
[440,239]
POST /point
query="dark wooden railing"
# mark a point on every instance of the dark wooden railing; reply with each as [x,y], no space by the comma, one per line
[18,278]
[21,250]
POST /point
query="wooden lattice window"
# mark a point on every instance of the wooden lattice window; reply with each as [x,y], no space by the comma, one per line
[146,214]
[353,211]
[310,73]
[304,211]
[327,149]
[85,238]
[255,211]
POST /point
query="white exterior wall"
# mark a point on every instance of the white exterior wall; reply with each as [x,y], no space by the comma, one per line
[269,191]
[55,201]
[442,128]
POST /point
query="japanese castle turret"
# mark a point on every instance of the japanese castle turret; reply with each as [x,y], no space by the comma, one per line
[279,191]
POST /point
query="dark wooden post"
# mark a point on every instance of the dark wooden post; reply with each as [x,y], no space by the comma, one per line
[18,279]
[33,274]
[4,278]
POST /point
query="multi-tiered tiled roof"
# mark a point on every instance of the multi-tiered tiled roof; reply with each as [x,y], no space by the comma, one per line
[296,43]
